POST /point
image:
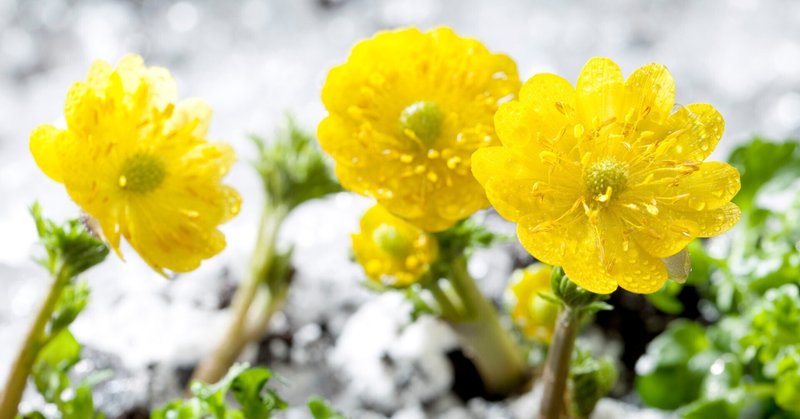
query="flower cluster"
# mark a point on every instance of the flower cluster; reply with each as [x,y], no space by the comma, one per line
[139,164]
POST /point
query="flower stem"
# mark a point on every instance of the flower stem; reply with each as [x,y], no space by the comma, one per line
[249,322]
[33,343]
[444,301]
[491,347]
[556,368]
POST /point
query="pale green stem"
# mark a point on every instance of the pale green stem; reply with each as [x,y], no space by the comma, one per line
[33,343]
[556,370]
[448,309]
[242,329]
[490,346]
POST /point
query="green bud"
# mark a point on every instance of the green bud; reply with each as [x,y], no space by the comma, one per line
[293,169]
[71,249]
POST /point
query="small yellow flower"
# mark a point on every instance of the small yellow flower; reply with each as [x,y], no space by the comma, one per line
[407,110]
[392,251]
[605,179]
[139,164]
[535,315]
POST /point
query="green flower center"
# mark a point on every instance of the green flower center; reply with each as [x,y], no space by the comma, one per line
[424,119]
[389,239]
[142,173]
[605,174]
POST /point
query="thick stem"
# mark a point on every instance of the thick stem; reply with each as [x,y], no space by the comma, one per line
[240,331]
[33,343]
[490,346]
[446,306]
[556,368]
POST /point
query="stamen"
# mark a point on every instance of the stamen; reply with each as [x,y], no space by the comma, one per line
[142,173]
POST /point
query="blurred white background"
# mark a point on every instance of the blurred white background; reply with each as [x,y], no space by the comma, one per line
[254,60]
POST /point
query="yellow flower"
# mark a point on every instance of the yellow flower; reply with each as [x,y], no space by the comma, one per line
[605,179]
[392,251]
[407,110]
[534,314]
[139,164]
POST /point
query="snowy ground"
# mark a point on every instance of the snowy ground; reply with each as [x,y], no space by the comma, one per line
[254,60]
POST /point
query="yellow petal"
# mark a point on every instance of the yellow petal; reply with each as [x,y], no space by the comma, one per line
[699,128]
[604,258]
[650,93]
[44,149]
[712,186]
[714,222]
[547,103]
[513,188]
[660,235]
[601,90]
[195,112]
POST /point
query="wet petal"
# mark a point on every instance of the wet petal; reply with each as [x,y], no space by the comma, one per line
[697,129]
[601,90]
[712,186]
[650,93]
[195,112]
[43,145]
[547,103]
[604,258]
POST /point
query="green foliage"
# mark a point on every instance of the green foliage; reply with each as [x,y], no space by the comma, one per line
[248,386]
[293,168]
[747,364]
[672,362]
[774,324]
[71,249]
[764,166]
[569,294]
[590,380]
[321,410]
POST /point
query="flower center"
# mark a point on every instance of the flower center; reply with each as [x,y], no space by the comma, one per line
[424,119]
[389,239]
[142,173]
[605,177]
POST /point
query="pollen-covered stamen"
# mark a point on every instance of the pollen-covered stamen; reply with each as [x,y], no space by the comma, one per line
[605,178]
[391,241]
[424,120]
[142,173]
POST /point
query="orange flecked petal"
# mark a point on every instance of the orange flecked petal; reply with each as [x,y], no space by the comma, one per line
[714,222]
[697,128]
[547,102]
[650,94]
[661,235]
[600,90]
[551,234]
[45,151]
[712,186]
[194,112]
[604,259]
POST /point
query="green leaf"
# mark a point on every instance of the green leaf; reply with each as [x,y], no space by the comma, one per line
[52,364]
[760,162]
[320,409]
[248,387]
[71,249]
[787,390]
[591,379]
[672,362]
[73,300]
[666,299]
